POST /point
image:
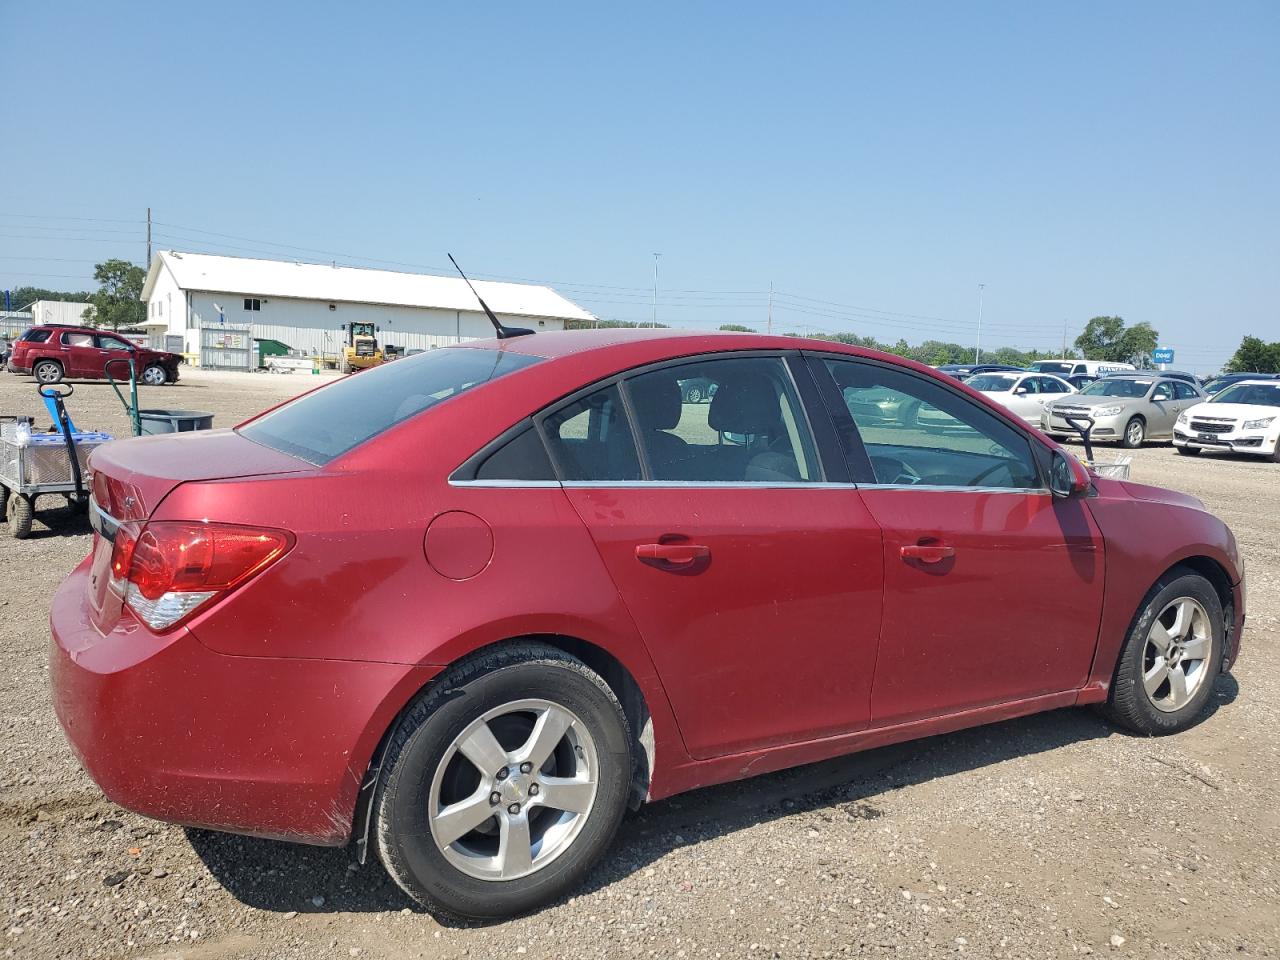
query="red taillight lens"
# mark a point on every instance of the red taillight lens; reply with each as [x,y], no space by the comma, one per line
[176,567]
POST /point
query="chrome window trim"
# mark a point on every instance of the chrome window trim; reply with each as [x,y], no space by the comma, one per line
[102,522]
[944,488]
[736,485]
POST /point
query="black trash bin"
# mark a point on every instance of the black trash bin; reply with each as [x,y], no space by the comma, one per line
[174,421]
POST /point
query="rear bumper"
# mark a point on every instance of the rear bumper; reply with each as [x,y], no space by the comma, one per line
[264,746]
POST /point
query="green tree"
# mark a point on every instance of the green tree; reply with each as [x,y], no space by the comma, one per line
[1254,356]
[1107,338]
[118,302]
[736,328]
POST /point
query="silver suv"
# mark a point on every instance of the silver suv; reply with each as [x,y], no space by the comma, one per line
[1126,407]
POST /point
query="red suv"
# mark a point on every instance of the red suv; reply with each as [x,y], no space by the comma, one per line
[551,586]
[52,352]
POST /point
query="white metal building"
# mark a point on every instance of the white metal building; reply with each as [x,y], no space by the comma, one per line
[305,305]
[57,311]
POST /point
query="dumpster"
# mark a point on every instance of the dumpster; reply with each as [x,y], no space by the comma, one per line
[174,421]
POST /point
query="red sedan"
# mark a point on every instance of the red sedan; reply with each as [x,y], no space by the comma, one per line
[467,607]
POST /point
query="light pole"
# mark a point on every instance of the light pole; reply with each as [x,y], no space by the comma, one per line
[656,256]
[977,348]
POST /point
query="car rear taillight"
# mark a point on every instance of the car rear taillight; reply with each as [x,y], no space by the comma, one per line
[117,498]
[169,569]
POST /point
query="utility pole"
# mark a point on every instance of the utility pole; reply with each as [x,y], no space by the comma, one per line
[1064,338]
[977,348]
[656,256]
[769,324]
[148,238]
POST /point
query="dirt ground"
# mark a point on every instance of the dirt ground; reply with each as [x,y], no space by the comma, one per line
[1043,837]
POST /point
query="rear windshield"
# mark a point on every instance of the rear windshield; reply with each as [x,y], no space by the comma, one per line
[35,336]
[992,382]
[322,425]
[1116,388]
[1052,366]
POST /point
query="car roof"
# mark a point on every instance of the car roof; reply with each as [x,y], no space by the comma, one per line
[646,343]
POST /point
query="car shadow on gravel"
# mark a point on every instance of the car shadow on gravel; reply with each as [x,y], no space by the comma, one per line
[275,876]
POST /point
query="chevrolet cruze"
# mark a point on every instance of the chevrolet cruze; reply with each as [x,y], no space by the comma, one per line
[464,609]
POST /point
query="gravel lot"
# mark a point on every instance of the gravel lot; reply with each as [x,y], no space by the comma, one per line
[1043,837]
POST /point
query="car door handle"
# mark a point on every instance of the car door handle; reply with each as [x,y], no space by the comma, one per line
[929,551]
[676,554]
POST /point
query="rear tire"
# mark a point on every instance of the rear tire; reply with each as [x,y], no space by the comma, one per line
[47,371]
[1157,692]
[1188,451]
[519,851]
[1135,431]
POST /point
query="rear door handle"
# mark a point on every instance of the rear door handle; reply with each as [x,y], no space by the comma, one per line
[676,554]
[929,552]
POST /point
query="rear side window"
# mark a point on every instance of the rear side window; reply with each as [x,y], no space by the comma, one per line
[35,336]
[320,426]
[590,439]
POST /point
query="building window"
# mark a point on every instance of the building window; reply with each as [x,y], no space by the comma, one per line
[252,303]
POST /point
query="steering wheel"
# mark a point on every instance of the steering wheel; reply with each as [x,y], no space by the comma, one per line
[903,474]
[977,481]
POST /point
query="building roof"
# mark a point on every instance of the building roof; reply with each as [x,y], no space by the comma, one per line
[312,281]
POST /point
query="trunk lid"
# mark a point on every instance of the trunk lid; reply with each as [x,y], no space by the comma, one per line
[131,477]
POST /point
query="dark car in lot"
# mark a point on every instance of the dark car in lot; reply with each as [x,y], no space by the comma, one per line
[1216,385]
[578,592]
[962,370]
[53,352]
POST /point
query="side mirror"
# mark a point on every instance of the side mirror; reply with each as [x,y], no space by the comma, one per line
[1067,476]
[1020,391]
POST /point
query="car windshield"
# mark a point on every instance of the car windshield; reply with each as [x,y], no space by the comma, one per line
[1258,394]
[992,382]
[1052,366]
[1108,387]
[322,425]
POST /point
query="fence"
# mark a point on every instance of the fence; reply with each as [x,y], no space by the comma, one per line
[228,346]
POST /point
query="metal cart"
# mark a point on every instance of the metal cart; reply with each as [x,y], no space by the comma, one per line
[1119,470]
[38,464]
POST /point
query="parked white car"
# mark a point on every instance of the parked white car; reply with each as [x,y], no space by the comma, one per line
[1023,393]
[1243,418]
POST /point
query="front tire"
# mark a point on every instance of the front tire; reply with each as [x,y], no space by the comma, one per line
[154,376]
[1171,657]
[1135,431]
[503,784]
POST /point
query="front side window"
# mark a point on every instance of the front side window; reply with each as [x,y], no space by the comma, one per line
[752,431]
[1163,391]
[111,343]
[916,431]
[1051,385]
[322,425]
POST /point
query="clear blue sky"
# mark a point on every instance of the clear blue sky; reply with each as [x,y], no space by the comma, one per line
[1077,158]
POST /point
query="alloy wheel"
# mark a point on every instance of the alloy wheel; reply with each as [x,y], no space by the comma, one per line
[1134,432]
[48,373]
[1174,661]
[513,790]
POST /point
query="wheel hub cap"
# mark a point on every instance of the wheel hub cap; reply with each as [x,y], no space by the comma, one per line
[1175,658]
[513,790]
